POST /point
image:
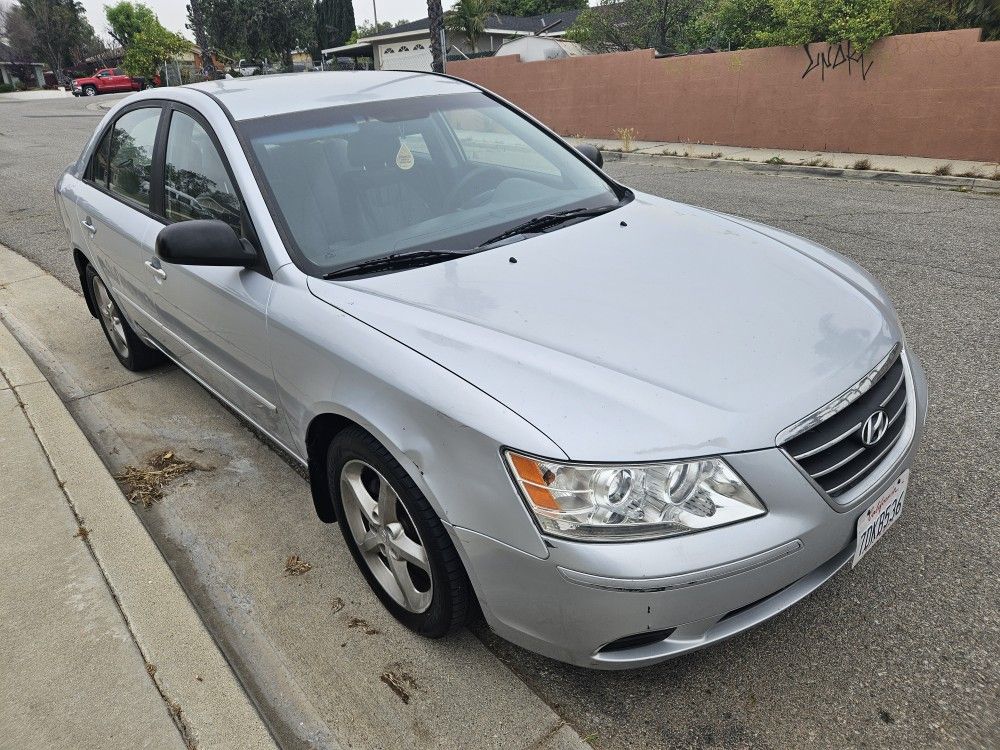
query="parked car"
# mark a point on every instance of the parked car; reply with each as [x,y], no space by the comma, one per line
[106,81]
[626,427]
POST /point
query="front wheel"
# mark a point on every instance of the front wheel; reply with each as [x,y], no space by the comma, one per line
[89,91]
[395,537]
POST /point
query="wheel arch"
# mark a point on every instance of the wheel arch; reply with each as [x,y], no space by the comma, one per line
[321,432]
[81,262]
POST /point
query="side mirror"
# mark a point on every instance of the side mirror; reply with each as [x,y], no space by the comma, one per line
[593,153]
[203,242]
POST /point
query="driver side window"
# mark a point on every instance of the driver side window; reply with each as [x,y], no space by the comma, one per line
[196,183]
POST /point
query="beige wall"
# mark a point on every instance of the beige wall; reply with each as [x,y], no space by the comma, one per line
[935,94]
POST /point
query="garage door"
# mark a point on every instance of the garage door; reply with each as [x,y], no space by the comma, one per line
[406,55]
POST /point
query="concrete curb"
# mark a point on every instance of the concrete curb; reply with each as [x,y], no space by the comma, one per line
[728,165]
[197,684]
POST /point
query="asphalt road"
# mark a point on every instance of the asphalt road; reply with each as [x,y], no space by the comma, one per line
[901,652]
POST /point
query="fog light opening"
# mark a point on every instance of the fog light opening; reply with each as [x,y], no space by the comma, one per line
[636,641]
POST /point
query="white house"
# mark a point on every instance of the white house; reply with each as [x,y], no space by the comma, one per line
[408,46]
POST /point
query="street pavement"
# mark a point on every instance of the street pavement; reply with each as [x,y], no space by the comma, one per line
[900,652]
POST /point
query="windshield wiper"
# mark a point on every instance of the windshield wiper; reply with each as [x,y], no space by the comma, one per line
[547,221]
[395,262]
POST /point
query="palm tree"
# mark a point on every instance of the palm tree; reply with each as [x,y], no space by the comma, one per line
[468,18]
[435,15]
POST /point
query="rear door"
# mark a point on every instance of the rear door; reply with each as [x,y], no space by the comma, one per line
[120,81]
[215,317]
[113,207]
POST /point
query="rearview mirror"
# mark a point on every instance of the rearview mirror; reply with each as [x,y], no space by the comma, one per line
[593,153]
[203,242]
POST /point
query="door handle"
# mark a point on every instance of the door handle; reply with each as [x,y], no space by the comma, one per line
[88,225]
[156,270]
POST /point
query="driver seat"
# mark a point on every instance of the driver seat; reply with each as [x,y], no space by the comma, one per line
[383,196]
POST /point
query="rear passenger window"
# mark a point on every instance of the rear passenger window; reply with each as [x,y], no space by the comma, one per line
[197,184]
[131,154]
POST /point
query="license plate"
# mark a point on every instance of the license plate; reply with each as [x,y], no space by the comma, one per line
[882,514]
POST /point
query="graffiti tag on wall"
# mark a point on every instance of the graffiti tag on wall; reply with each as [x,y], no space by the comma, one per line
[834,57]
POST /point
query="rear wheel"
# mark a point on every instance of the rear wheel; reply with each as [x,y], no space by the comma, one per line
[395,537]
[131,351]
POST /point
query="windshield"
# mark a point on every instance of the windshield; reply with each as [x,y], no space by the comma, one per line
[359,182]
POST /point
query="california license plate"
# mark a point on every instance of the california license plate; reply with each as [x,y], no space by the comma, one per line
[882,514]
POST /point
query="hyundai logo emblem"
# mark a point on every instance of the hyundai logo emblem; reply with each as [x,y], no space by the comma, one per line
[874,428]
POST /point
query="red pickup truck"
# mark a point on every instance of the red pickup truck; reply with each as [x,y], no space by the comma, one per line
[106,81]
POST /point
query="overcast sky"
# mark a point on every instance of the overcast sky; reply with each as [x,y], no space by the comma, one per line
[173,13]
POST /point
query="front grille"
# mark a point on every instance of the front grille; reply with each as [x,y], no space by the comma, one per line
[833,452]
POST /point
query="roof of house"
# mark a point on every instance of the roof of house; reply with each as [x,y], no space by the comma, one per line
[494,22]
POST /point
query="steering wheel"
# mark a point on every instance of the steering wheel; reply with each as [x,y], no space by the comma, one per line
[454,194]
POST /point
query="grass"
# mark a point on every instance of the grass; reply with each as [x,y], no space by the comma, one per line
[626,136]
[775,160]
[995,175]
[713,155]
[971,173]
[862,164]
[942,170]
[144,484]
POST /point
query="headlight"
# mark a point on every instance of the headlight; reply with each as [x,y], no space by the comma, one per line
[620,502]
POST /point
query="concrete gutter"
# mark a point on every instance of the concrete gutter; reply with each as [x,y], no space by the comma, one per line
[200,691]
[726,165]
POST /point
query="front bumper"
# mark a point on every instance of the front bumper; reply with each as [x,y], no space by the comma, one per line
[690,591]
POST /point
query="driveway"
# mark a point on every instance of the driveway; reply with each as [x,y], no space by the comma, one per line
[900,652]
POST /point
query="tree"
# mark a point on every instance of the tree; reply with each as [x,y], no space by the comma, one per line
[126,19]
[222,24]
[468,18]
[622,25]
[56,31]
[536,7]
[150,48]
[365,29]
[334,22]
[435,17]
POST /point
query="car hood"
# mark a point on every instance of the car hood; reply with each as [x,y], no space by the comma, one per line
[656,331]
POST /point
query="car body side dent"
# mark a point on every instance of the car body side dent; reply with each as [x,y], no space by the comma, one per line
[434,423]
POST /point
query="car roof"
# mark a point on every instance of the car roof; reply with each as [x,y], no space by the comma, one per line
[249,97]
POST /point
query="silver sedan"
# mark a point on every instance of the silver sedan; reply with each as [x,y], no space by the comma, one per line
[626,427]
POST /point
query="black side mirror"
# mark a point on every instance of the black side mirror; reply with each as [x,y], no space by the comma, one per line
[593,153]
[204,242]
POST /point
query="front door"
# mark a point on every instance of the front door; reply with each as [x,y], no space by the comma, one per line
[215,318]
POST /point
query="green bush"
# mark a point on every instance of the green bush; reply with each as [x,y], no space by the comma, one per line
[6,88]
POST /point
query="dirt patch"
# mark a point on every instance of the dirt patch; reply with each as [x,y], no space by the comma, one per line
[337,604]
[144,484]
[296,566]
[82,533]
[358,622]
[400,682]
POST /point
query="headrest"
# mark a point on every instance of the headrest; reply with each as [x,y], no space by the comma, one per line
[375,145]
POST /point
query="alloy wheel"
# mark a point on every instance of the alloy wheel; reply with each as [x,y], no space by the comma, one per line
[111,317]
[386,536]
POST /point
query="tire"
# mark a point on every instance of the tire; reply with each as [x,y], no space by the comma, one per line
[89,91]
[132,352]
[441,598]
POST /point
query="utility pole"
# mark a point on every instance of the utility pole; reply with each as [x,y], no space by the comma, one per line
[375,13]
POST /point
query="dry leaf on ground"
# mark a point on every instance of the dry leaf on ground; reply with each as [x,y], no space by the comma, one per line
[144,484]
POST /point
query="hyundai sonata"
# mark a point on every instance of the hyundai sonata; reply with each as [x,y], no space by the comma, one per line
[626,427]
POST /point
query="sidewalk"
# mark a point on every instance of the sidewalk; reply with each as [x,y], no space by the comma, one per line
[857,164]
[99,645]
